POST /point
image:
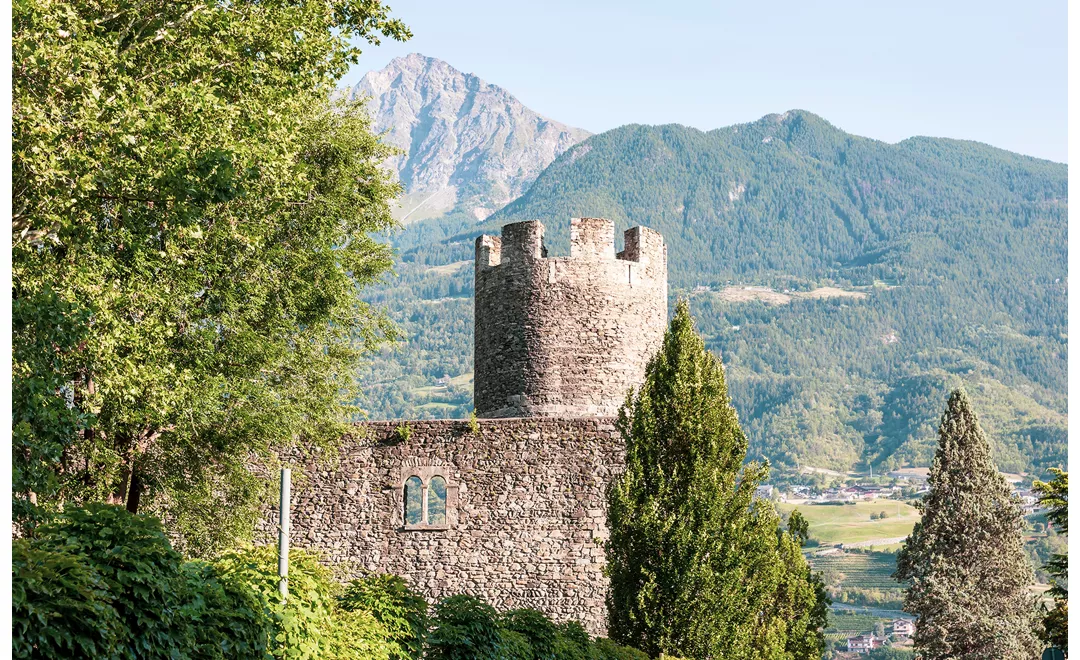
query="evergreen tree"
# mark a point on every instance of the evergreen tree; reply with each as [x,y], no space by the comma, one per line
[697,567]
[965,561]
[1054,495]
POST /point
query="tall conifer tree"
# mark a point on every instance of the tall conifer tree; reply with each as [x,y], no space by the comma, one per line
[969,577]
[1054,496]
[697,567]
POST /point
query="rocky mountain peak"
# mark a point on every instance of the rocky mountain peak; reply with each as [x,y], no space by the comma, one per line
[469,144]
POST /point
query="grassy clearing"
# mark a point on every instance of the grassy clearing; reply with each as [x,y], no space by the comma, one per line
[851,523]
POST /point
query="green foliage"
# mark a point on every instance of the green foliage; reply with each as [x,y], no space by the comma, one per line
[229,618]
[135,598]
[572,642]
[799,527]
[793,203]
[698,568]
[605,649]
[465,628]
[403,432]
[401,610]
[191,222]
[965,561]
[1054,496]
[140,569]
[886,653]
[100,582]
[61,607]
[514,646]
[536,628]
[309,623]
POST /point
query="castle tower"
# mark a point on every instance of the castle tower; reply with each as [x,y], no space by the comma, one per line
[565,336]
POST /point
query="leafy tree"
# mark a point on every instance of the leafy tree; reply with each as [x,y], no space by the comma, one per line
[192,219]
[697,568]
[965,561]
[799,527]
[1054,495]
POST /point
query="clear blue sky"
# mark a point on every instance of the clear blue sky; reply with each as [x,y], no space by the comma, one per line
[988,71]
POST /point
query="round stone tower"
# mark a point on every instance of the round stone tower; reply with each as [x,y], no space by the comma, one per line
[565,336]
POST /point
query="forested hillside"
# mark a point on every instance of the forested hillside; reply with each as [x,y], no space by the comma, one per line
[847,283]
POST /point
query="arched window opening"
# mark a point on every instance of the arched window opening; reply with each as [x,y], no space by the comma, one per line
[414,501]
[436,504]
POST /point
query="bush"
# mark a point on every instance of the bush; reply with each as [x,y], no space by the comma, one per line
[572,642]
[358,634]
[466,628]
[61,607]
[514,646]
[139,568]
[605,649]
[308,624]
[229,618]
[395,605]
[540,632]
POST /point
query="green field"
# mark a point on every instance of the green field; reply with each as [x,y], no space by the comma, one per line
[851,624]
[858,570]
[851,523]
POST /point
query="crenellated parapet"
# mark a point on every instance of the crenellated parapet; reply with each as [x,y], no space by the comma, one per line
[569,335]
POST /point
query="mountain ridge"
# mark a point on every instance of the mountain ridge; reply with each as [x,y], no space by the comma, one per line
[791,202]
[469,145]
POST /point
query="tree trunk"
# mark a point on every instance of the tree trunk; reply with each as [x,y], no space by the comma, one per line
[134,491]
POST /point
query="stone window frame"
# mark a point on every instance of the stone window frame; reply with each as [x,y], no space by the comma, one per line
[425,473]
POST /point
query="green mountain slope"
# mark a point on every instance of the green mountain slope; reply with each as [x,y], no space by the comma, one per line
[847,283]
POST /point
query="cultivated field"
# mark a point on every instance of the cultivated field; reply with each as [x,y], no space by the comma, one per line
[833,524]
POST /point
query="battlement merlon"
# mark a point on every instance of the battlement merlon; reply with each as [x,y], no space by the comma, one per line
[644,246]
[488,251]
[590,238]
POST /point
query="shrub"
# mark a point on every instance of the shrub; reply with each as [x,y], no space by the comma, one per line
[537,629]
[139,568]
[514,646]
[572,642]
[358,634]
[61,607]
[402,611]
[605,649]
[302,626]
[229,618]
[466,628]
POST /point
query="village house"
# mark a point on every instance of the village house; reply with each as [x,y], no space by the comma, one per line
[903,627]
[864,643]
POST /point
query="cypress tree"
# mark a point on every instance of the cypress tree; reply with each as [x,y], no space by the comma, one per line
[698,568]
[968,575]
[1054,496]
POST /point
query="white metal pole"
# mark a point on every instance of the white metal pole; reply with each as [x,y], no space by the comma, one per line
[283,537]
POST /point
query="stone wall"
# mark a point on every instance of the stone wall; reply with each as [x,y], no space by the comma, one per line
[565,336]
[525,509]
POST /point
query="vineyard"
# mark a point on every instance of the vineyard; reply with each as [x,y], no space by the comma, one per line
[870,570]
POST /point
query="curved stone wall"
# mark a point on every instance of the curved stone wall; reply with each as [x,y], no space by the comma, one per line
[565,336]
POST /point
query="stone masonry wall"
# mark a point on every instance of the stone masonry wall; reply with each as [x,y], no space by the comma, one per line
[565,336]
[525,509]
